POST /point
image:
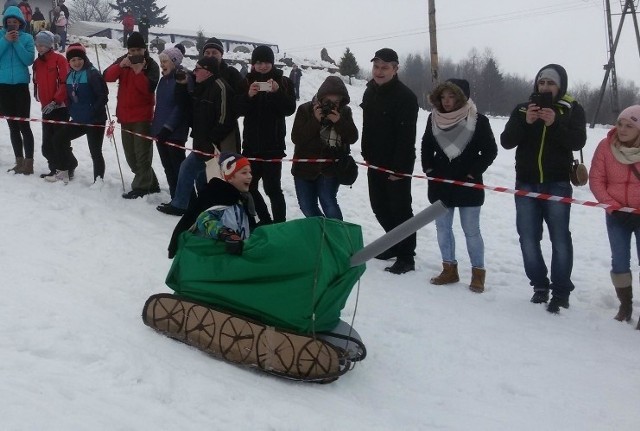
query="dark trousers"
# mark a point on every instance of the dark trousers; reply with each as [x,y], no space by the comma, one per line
[391,204]
[270,173]
[64,157]
[171,158]
[15,101]
[48,131]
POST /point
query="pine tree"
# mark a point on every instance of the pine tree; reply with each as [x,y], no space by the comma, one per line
[348,65]
[156,15]
[200,40]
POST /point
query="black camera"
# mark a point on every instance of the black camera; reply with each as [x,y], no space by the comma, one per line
[327,108]
[136,59]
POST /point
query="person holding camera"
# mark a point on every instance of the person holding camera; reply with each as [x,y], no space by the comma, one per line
[137,75]
[614,179]
[458,144]
[267,97]
[390,112]
[544,135]
[323,129]
[17,53]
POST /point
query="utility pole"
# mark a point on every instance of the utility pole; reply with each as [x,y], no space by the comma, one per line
[628,8]
[433,43]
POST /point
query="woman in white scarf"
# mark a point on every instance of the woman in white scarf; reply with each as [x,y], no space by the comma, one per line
[458,144]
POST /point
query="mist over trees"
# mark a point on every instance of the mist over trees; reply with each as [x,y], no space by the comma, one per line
[91,10]
[497,92]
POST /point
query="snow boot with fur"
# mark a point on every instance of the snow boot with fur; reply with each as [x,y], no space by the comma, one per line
[448,275]
[27,167]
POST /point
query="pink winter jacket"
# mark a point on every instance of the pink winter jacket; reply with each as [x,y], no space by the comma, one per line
[610,181]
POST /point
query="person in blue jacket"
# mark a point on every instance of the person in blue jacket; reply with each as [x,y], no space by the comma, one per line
[170,118]
[17,53]
[87,95]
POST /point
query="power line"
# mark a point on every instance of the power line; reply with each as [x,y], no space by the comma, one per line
[541,11]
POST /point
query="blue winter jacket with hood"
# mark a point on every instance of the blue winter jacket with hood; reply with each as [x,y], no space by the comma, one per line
[16,56]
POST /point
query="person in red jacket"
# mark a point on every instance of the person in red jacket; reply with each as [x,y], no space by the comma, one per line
[50,71]
[138,76]
[615,180]
[128,21]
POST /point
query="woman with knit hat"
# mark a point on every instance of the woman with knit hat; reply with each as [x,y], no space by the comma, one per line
[87,97]
[458,144]
[323,129]
[614,179]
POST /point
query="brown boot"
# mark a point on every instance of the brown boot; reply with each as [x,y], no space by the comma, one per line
[27,167]
[622,283]
[17,169]
[477,280]
[448,275]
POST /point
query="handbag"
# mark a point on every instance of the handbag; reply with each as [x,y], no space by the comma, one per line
[346,169]
[579,174]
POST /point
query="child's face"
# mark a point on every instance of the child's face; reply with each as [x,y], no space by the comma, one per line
[42,49]
[241,179]
[76,63]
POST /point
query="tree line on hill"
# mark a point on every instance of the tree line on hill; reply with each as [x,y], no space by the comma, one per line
[494,91]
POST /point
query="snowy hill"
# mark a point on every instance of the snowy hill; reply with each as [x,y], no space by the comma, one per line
[78,263]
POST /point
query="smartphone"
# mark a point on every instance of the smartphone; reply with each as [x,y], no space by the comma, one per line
[136,59]
[13,27]
[264,86]
[543,100]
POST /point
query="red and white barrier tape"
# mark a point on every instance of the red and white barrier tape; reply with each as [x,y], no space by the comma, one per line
[111,128]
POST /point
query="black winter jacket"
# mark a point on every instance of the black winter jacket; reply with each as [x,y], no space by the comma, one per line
[264,115]
[389,113]
[474,160]
[544,154]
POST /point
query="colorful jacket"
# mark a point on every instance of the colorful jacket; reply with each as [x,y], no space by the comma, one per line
[228,213]
[16,57]
[390,113]
[88,95]
[136,92]
[612,182]
[264,115]
[49,77]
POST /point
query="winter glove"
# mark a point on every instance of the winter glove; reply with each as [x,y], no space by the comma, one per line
[163,134]
[48,108]
[232,241]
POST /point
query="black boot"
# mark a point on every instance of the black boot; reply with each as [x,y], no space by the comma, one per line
[555,304]
[625,295]
[401,266]
[540,296]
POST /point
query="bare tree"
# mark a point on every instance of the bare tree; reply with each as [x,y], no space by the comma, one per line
[91,10]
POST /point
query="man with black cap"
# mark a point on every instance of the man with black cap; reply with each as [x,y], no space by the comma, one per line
[213,48]
[544,134]
[390,112]
[210,102]
[267,97]
[137,75]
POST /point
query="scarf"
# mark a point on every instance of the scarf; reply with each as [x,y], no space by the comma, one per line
[330,137]
[625,155]
[453,130]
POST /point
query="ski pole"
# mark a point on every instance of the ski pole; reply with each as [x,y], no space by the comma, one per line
[113,139]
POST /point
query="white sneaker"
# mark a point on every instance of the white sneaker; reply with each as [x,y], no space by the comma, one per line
[59,176]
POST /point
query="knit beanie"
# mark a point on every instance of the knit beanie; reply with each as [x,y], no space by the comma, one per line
[230,163]
[174,54]
[45,38]
[181,47]
[551,74]
[136,40]
[212,42]
[263,54]
[632,113]
[76,50]
[463,84]
[210,64]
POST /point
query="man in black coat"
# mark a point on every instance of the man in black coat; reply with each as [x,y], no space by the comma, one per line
[390,112]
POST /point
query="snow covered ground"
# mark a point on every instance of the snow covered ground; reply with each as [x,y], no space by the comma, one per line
[79,262]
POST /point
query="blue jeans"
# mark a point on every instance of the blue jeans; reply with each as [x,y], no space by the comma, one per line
[620,242]
[192,173]
[530,213]
[470,222]
[324,189]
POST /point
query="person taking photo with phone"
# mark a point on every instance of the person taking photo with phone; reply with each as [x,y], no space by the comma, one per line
[544,138]
[17,53]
